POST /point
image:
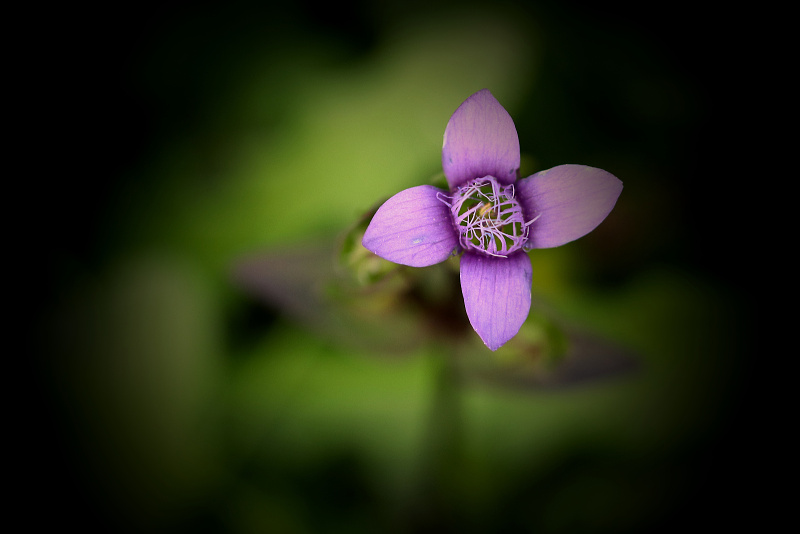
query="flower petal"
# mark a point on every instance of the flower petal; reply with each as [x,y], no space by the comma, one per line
[480,139]
[413,228]
[568,202]
[497,295]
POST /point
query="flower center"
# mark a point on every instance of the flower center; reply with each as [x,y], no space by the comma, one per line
[488,217]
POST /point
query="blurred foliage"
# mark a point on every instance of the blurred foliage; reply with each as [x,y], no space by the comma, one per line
[211,367]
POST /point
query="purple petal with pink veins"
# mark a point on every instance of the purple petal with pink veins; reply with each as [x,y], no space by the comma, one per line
[412,228]
[480,139]
[567,202]
[497,295]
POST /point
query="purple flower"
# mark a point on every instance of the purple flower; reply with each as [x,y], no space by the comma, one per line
[491,216]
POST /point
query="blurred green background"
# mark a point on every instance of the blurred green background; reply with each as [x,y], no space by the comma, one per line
[196,135]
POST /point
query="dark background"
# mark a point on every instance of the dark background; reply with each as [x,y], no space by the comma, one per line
[646,88]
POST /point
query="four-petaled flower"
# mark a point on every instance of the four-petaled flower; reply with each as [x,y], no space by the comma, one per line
[491,216]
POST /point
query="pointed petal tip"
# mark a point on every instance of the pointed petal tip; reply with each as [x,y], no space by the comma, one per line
[494,345]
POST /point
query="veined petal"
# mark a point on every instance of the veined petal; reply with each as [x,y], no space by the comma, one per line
[480,139]
[413,228]
[497,295]
[567,201]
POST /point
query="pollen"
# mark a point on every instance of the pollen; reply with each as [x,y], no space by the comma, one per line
[484,209]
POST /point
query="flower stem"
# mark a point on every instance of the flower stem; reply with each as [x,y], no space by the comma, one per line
[442,453]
